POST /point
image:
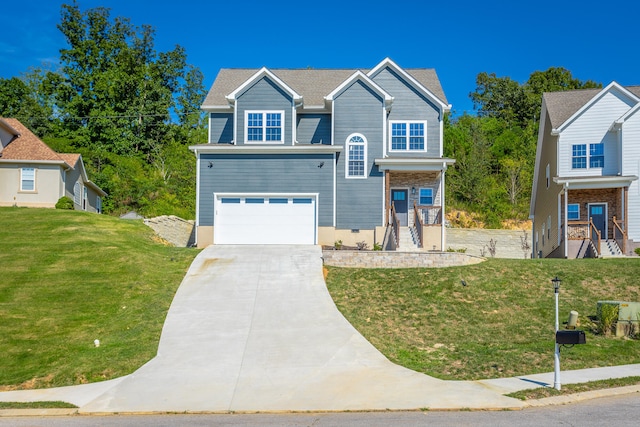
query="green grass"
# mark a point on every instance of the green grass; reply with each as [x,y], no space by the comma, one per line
[36,405]
[69,278]
[542,392]
[500,325]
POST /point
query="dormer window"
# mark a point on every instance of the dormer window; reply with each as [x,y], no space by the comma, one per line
[264,127]
[408,135]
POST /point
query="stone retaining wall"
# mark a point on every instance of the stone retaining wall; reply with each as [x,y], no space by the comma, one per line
[175,230]
[383,259]
[476,242]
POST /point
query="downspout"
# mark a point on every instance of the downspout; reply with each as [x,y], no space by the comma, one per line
[197,224]
[442,234]
[565,220]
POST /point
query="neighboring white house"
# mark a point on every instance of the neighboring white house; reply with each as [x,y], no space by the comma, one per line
[586,196]
[33,175]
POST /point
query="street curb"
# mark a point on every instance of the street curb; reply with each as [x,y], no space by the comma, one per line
[586,395]
[43,412]
[547,401]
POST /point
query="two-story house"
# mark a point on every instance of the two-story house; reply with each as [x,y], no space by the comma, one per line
[33,175]
[586,200]
[319,156]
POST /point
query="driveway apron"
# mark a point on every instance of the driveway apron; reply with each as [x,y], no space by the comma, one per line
[253,328]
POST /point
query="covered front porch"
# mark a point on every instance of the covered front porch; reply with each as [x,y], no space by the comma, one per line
[595,212]
[414,203]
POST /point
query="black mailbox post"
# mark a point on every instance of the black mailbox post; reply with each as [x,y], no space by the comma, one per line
[570,337]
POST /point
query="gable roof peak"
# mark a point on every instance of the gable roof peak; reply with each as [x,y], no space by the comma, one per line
[264,72]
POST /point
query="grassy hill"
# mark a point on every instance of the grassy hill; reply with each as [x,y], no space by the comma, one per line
[500,325]
[69,278]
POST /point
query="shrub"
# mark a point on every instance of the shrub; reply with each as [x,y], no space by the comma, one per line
[608,316]
[64,203]
[377,246]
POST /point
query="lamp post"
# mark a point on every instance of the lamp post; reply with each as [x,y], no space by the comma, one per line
[556,359]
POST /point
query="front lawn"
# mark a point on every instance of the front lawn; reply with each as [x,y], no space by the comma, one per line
[69,278]
[500,325]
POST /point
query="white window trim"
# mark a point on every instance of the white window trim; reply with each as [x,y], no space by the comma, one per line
[34,190]
[407,122]
[573,204]
[346,163]
[264,126]
[432,195]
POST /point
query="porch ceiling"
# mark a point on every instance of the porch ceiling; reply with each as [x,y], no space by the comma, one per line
[414,165]
[595,182]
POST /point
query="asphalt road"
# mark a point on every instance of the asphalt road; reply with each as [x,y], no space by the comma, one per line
[617,411]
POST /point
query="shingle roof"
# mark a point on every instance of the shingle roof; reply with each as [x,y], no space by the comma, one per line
[27,146]
[312,84]
[562,105]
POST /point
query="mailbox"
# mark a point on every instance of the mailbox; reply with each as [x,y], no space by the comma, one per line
[570,337]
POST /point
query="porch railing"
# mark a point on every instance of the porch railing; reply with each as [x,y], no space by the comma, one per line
[429,215]
[595,236]
[620,234]
[395,224]
[417,220]
[584,230]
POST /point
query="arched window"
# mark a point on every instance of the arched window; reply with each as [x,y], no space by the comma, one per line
[356,156]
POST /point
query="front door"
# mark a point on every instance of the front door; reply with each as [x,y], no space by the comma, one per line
[400,199]
[598,214]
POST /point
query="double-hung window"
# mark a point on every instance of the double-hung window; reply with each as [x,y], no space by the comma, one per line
[596,155]
[408,136]
[356,156]
[426,197]
[264,127]
[27,179]
[573,212]
[579,156]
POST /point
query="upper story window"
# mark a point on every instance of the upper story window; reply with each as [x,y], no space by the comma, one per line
[263,127]
[356,156]
[579,156]
[426,196]
[27,179]
[573,211]
[408,136]
[596,155]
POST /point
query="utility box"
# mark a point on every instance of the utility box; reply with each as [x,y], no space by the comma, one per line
[628,316]
[570,337]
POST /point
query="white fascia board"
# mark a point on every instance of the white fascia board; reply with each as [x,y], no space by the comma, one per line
[8,127]
[264,72]
[413,164]
[536,171]
[595,182]
[596,98]
[628,114]
[270,149]
[359,75]
[37,162]
[416,84]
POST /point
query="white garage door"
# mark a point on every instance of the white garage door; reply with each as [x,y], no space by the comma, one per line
[265,219]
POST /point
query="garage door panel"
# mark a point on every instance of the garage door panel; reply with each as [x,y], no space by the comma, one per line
[260,219]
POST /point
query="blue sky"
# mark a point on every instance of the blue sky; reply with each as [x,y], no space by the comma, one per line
[594,40]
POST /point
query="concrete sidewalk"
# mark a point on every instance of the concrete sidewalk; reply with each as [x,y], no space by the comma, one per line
[253,328]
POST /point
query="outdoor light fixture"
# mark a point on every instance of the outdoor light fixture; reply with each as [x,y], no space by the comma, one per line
[210,165]
[413,191]
[556,359]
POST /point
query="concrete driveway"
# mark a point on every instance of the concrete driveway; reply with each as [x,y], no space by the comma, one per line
[253,328]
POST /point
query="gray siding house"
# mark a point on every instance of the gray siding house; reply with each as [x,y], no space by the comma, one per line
[307,156]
